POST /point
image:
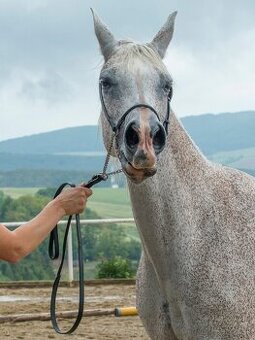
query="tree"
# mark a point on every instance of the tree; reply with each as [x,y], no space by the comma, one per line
[46,192]
[5,202]
[23,208]
[115,268]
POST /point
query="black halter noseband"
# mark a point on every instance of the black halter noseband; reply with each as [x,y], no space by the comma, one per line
[116,126]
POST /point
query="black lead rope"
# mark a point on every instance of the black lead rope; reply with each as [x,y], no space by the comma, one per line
[54,254]
[54,249]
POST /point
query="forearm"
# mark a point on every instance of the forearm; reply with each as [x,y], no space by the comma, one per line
[14,245]
[30,235]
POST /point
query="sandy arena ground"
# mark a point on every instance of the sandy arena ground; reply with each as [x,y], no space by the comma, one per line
[36,300]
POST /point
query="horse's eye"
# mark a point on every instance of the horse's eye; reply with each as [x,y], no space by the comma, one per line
[167,87]
[106,83]
[168,90]
[170,93]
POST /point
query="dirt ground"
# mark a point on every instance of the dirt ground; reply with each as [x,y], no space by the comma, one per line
[36,300]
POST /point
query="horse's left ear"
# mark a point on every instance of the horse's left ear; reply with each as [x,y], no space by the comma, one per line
[162,39]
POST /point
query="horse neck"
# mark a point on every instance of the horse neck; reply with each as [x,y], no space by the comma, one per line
[182,161]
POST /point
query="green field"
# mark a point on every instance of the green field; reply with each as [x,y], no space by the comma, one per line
[110,203]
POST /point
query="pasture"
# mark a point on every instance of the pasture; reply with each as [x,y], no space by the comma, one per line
[111,203]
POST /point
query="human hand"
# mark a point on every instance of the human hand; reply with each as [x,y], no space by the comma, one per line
[73,200]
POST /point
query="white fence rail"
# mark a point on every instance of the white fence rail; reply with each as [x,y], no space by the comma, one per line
[70,241]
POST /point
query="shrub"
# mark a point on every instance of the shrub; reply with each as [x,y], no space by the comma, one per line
[116,267]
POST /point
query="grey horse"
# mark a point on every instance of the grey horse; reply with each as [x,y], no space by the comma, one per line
[196,219]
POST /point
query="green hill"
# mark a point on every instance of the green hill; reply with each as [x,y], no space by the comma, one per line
[222,132]
[74,139]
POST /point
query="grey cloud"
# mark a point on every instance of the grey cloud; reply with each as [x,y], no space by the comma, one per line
[51,88]
[61,31]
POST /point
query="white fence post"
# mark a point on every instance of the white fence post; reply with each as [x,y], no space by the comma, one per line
[70,255]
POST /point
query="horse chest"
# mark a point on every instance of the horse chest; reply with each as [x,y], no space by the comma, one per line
[174,242]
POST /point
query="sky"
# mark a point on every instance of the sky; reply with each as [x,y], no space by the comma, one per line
[50,59]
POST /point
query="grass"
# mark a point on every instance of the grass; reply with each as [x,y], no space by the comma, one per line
[115,196]
[110,203]
[90,270]
[109,210]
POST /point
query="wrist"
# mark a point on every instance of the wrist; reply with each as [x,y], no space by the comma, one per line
[57,206]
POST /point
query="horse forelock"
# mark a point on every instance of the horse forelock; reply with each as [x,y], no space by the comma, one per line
[129,52]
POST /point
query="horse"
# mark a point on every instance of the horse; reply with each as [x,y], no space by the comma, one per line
[196,219]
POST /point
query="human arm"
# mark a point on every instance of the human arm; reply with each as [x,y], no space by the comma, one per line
[16,244]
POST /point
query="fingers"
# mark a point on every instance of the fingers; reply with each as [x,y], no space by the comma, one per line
[81,205]
[84,194]
[73,200]
[88,191]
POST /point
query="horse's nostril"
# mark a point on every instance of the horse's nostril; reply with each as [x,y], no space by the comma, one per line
[159,138]
[131,136]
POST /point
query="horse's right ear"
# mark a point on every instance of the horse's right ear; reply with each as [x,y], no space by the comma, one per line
[106,40]
[162,39]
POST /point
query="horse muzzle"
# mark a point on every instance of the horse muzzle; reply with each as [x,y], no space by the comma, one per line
[135,175]
[143,141]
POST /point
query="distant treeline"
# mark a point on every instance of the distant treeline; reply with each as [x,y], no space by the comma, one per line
[49,178]
[13,161]
[53,178]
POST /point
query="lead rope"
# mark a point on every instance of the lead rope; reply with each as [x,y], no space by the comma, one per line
[54,248]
